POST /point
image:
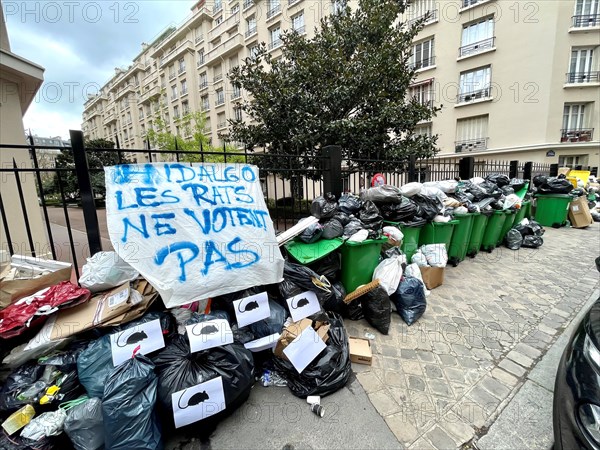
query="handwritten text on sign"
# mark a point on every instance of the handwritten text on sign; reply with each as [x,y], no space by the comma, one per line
[193,231]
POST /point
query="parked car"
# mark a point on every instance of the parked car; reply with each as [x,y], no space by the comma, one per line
[576,410]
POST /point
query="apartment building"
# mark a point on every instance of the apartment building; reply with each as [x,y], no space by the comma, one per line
[515,80]
[184,69]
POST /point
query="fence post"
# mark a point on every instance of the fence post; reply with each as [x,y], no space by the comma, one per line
[412,172]
[553,170]
[466,168]
[513,170]
[84,181]
[527,171]
[332,170]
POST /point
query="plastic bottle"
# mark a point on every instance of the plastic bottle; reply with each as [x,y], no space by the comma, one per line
[18,419]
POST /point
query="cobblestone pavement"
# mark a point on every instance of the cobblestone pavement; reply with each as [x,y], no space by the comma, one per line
[442,382]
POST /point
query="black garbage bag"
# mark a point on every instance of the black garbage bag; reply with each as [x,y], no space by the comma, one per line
[16,442]
[561,176]
[370,217]
[179,369]
[332,229]
[478,193]
[491,189]
[555,186]
[415,222]
[168,324]
[324,207]
[578,192]
[471,207]
[428,207]
[517,184]
[329,266]
[538,180]
[94,365]
[214,314]
[84,425]
[335,301]
[225,302]
[130,421]
[377,309]
[304,279]
[498,179]
[312,233]
[21,379]
[507,190]
[342,218]
[483,204]
[382,194]
[398,212]
[272,324]
[349,204]
[353,227]
[533,241]
[513,239]
[328,372]
[409,299]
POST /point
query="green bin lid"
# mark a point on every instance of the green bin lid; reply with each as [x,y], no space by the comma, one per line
[553,196]
[380,240]
[308,253]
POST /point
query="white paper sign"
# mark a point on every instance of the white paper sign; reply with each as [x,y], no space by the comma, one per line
[148,336]
[264,343]
[306,347]
[198,402]
[303,305]
[209,334]
[194,231]
[252,309]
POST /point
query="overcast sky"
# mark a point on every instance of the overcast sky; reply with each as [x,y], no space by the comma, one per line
[80,43]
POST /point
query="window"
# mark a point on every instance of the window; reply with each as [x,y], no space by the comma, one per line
[199,35]
[275,37]
[217,74]
[467,3]
[184,89]
[163,83]
[572,161]
[237,92]
[237,113]
[338,6]
[273,7]
[200,57]
[174,92]
[583,67]
[253,51]
[233,62]
[171,72]
[205,103]
[219,20]
[128,116]
[423,92]
[185,108]
[475,84]
[218,6]
[477,37]
[203,80]
[574,124]
[423,130]
[586,14]
[298,22]
[141,113]
[235,9]
[422,56]
[220,97]
[250,26]
[181,65]
[247,4]
[176,112]
[419,9]
[471,134]
[221,121]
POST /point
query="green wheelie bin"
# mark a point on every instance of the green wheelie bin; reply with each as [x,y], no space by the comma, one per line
[359,260]
[480,221]
[437,233]
[492,231]
[457,251]
[507,225]
[521,213]
[410,243]
[552,209]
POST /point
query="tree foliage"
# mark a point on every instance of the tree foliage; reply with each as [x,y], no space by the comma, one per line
[346,86]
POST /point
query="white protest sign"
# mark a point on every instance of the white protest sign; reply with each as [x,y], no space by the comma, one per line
[306,347]
[209,334]
[194,231]
[252,309]
[148,336]
[264,343]
[303,305]
[198,402]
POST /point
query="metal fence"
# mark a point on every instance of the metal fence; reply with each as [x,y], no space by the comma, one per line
[74,219]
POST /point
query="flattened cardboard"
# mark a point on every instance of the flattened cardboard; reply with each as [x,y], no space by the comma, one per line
[579,213]
[13,290]
[432,276]
[293,330]
[360,351]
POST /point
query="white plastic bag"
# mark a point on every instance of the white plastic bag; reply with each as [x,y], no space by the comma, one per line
[441,219]
[44,425]
[419,259]
[106,270]
[436,254]
[359,236]
[448,186]
[512,200]
[461,210]
[410,189]
[412,270]
[431,191]
[393,233]
[389,273]
[477,180]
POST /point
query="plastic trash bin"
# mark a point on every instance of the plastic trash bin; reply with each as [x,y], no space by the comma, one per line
[507,225]
[437,233]
[410,243]
[457,250]
[492,231]
[359,260]
[479,223]
[552,209]
[520,215]
[527,206]
[308,253]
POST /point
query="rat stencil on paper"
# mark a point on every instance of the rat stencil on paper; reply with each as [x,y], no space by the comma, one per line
[148,336]
[198,402]
[303,305]
[252,309]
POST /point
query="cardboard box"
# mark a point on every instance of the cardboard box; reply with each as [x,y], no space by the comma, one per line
[579,213]
[432,276]
[360,351]
[293,330]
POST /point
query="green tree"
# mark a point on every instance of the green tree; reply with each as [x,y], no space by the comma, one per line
[346,86]
[191,124]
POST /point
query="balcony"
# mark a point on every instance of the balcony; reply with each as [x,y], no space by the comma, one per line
[432,17]
[576,135]
[275,44]
[472,3]
[300,30]
[181,70]
[123,91]
[247,4]
[472,145]
[200,61]
[292,2]
[226,25]
[174,97]
[481,94]
[109,117]
[199,39]
[477,47]
[251,32]
[273,11]
[218,77]
[203,85]
[585,21]
[185,45]
[172,75]
[423,64]
[583,77]
[231,45]
[184,92]
[205,107]
[220,100]
[236,94]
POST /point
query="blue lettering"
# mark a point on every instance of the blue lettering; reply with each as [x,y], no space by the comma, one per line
[239,264]
[178,247]
[248,173]
[211,251]
[198,191]
[203,173]
[140,197]
[119,195]
[232,177]
[241,195]
[165,194]
[182,170]
[123,173]
[216,194]
[142,229]
[259,216]
[205,215]
[163,228]
[219,212]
